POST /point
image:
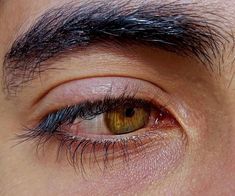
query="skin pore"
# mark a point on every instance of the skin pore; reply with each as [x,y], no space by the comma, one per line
[193,157]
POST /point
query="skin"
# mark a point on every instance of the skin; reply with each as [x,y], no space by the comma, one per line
[203,103]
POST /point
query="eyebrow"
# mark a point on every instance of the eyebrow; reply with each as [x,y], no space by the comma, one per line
[176,27]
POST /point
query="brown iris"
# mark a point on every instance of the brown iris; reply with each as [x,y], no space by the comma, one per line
[126,119]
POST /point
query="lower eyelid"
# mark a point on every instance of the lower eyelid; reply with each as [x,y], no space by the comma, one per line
[150,159]
[120,146]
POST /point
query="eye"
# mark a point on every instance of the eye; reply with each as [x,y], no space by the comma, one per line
[112,116]
[111,123]
[126,117]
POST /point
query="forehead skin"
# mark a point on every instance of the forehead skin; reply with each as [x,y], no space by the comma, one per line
[17,15]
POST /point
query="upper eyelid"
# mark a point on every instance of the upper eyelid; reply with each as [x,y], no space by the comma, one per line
[68,93]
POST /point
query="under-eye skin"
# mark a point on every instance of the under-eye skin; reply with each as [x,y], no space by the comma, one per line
[107,120]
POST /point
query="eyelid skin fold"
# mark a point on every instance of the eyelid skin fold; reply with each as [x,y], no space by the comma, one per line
[92,89]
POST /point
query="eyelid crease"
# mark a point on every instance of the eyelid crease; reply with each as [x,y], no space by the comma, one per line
[44,94]
[70,93]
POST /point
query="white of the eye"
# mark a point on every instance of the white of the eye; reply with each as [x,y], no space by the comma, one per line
[95,126]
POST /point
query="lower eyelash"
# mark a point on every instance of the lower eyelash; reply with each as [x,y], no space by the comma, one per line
[81,150]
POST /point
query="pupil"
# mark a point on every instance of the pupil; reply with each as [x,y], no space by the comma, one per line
[130,112]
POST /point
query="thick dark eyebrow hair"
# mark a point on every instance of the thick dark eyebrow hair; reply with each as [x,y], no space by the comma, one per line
[185,29]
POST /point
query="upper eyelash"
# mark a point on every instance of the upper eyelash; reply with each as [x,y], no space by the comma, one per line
[85,111]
